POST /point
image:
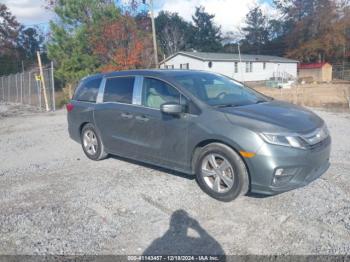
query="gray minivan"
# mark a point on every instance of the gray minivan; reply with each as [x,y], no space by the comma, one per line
[232,138]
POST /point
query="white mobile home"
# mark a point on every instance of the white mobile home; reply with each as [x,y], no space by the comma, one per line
[241,68]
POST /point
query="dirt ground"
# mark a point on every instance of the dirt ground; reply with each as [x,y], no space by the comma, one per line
[53,200]
[328,95]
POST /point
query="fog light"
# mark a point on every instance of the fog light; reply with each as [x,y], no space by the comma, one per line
[284,175]
[279,172]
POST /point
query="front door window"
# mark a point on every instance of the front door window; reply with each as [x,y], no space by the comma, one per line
[156,92]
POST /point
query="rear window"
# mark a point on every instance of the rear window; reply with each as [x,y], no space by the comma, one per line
[87,91]
[119,89]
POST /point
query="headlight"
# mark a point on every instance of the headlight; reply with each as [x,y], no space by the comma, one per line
[283,140]
[316,136]
[325,130]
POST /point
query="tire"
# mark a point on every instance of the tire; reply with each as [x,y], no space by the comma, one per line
[93,149]
[230,169]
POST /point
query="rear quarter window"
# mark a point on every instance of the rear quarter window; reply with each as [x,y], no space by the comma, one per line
[87,90]
[119,89]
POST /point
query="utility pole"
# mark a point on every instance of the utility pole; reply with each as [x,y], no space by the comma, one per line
[43,81]
[344,55]
[153,32]
[53,88]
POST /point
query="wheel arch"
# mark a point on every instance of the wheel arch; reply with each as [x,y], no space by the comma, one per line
[206,142]
[82,126]
[91,123]
[103,153]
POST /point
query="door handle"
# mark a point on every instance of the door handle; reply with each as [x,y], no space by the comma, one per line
[142,118]
[126,115]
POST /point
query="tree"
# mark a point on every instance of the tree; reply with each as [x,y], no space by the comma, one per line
[144,27]
[173,33]
[255,31]
[278,30]
[96,35]
[71,53]
[344,24]
[18,44]
[122,44]
[70,46]
[316,33]
[9,31]
[206,35]
[75,13]
[30,40]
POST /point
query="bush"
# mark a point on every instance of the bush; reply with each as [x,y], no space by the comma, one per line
[63,97]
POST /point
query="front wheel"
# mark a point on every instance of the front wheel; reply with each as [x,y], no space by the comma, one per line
[91,143]
[221,172]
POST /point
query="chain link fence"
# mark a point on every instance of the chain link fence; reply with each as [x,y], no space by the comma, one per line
[29,88]
[341,71]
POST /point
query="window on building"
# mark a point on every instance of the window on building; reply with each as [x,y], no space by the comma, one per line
[264,65]
[185,66]
[88,90]
[169,66]
[236,67]
[119,89]
[210,64]
[156,92]
[249,67]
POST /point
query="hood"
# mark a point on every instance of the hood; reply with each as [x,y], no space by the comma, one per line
[274,116]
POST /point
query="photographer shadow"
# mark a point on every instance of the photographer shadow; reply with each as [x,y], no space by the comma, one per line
[176,240]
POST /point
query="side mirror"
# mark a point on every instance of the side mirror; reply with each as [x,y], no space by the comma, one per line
[171,108]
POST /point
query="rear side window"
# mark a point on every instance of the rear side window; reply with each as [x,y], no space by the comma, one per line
[88,90]
[119,89]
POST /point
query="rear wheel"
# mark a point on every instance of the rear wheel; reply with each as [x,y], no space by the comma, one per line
[91,143]
[221,172]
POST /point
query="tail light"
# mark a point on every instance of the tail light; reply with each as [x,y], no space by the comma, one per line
[69,107]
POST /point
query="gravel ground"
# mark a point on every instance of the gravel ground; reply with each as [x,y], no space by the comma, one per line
[53,200]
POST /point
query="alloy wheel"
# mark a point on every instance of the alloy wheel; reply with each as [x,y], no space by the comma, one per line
[90,142]
[217,173]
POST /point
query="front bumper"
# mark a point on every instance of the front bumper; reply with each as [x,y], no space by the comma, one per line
[310,165]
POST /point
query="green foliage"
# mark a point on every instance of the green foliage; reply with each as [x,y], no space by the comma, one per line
[71,53]
[263,35]
[70,47]
[31,40]
[206,35]
[256,31]
[173,33]
[90,34]
[18,45]
[315,29]
[307,30]
[76,13]
[9,31]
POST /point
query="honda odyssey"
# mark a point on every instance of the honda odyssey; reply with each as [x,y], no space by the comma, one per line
[232,138]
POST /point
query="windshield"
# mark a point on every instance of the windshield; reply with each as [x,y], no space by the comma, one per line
[217,90]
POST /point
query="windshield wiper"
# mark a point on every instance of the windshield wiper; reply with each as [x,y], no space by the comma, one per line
[236,105]
[226,105]
[260,101]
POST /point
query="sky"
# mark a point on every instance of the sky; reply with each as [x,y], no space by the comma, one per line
[229,14]
[29,12]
